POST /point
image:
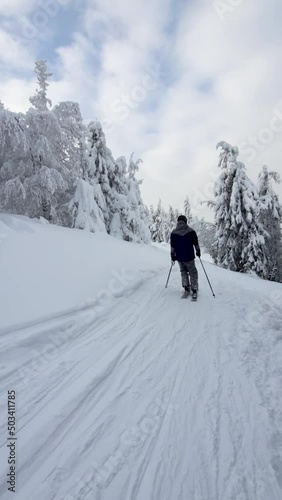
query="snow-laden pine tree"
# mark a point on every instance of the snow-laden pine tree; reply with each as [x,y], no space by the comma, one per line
[161,223]
[187,210]
[157,225]
[147,220]
[240,242]
[138,221]
[73,136]
[47,183]
[171,218]
[117,199]
[40,100]
[176,214]
[206,234]
[271,219]
[73,155]
[166,226]
[15,162]
[101,166]
[120,206]
[84,208]
[152,220]
[88,205]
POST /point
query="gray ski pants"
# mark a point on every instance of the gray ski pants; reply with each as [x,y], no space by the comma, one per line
[189,269]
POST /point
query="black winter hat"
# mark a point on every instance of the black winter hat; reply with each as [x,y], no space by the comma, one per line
[182,217]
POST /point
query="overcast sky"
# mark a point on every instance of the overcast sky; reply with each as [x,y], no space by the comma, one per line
[169,79]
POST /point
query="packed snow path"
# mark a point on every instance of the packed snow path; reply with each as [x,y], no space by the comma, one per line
[152,398]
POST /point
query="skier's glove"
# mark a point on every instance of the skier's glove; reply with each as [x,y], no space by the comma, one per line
[198,252]
[173,257]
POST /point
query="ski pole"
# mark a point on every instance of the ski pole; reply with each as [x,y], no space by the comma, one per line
[169,274]
[207,277]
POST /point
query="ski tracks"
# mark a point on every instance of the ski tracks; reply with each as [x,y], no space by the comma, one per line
[149,400]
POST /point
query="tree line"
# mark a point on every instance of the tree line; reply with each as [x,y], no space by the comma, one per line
[246,235]
[54,166]
[162,222]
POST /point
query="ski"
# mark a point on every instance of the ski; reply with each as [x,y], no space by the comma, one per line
[194,297]
[185,295]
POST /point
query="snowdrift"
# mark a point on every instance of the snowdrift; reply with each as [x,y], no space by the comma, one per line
[48,270]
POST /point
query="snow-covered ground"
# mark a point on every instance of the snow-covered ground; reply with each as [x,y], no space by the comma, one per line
[126,392]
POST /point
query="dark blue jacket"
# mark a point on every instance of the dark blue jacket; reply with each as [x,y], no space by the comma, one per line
[183,239]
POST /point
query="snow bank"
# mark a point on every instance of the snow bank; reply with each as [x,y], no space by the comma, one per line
[47,270]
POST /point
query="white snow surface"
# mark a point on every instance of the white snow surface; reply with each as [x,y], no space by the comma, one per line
[123,390]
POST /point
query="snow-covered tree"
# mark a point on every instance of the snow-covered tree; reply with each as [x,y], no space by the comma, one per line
[46,187]
[147,220]
[138,213]
[176,214]
[151,220]
[161,223]
[130,218]
[120,206]
[187,210]
[101,164]
[85,211]
[49,177]
[240,243]
[52,165]
[172,218]
[271,218]
[206,234]
[156,228]
[13,140]
[73,136]
[39,100]
[15,162]
[166,226]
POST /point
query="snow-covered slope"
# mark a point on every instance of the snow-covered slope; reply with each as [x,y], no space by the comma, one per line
[126,392]
[46,270]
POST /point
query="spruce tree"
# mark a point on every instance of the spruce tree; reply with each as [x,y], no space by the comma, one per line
[271,218]
[15,163]
[49,179]
[120,205]
[73,139]
[171,218]
[156,229]
[240,243]
[165,226]
[101,165]
[85,211]
[187,210]
[39,100]
[138,223]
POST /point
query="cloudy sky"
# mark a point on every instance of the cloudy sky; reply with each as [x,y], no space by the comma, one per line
[168,79]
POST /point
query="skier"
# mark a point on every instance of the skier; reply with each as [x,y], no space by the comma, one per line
[183,239]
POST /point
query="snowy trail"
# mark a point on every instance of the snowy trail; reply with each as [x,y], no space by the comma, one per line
[150,400]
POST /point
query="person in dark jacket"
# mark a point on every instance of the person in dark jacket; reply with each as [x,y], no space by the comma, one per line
[183,240]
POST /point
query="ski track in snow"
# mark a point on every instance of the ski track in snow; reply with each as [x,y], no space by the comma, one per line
[156,398]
